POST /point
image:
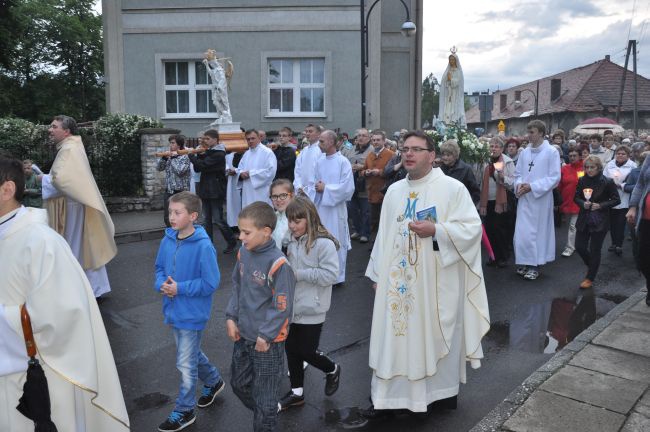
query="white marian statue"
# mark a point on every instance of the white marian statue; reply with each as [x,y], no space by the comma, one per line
[220,78]
[452,98]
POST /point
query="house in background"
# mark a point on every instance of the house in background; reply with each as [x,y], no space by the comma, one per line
[568,98]
[296,62]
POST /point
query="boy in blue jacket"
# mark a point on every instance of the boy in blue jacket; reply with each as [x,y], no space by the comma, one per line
[187,275]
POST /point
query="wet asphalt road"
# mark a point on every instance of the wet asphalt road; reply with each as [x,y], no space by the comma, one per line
[528,318]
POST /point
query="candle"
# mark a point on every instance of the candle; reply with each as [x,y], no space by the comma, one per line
[587,192]
[498,166]
[581,174]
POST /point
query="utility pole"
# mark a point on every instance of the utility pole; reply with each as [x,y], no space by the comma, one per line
[631,47]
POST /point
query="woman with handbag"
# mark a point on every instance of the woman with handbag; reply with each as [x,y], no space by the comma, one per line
[595,195]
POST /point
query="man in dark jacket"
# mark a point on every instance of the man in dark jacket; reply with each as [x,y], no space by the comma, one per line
[285,154]
[212,187]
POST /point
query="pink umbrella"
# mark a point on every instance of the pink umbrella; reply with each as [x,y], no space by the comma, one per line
[486,243]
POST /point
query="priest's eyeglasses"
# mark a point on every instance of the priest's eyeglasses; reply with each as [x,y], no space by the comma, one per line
[415,150]
[280,197]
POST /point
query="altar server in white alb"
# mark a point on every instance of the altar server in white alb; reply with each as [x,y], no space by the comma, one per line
[537,173]
[75,207]
[38,269]
[304,179]
[256,170]
[233,189]
[430,311]
[334,187]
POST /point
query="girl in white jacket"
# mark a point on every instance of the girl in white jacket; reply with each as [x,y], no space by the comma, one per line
[312,253]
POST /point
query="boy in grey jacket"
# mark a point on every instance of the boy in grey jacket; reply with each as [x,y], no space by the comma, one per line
[258,315]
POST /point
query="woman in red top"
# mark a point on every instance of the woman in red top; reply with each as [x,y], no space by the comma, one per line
[568,183]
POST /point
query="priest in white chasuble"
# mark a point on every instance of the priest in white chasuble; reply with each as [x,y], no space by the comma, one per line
[256,170]
[334,187]
[430,311]
[537,173]
[75,207]
[38,269]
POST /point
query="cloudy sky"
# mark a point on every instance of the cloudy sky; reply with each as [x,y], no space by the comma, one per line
[509,42]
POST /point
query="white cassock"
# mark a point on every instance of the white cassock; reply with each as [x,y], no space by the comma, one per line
[74,226]
[534,240]
[261,164]
[233,194]
[305,168]
[430,310]
[336,172]
[38,269]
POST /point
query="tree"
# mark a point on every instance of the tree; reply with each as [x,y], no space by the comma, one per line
[430,98]
[53,62]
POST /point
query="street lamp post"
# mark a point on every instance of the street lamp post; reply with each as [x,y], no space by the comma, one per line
[408,29]
[535,96]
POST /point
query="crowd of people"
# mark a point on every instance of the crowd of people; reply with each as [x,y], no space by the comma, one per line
[297,205]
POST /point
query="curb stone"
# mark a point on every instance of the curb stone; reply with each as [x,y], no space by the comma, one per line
[495,419]
[137,236]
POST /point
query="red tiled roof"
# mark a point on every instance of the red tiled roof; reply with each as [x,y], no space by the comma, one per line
[593,87]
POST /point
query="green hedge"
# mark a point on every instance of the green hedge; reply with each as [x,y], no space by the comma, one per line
[112,146]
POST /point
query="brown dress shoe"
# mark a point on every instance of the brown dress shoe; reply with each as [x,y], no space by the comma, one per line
[586,284]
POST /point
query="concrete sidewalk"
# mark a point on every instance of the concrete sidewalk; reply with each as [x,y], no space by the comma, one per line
[598,382]
[138,226]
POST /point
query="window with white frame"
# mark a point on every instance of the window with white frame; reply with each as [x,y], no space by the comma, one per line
[187,89]
[296,87]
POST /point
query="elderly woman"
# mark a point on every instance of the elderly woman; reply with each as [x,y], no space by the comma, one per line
[498,177]
[639,214]
[571,173]
[456,168]
[595,196]
[618,169]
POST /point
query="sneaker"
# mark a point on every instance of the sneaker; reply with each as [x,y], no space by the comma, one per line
[231,247]
[354,236]
[332,381]
[612,248]
[531,274]
[567,252]
[521,271]
[291,400]
[177,421]
[618,251]
[208,394]
[586,284]
[363,239]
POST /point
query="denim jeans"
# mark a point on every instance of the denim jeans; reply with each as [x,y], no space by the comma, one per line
[213,213]
[192,364]
[359,211]
[256,378]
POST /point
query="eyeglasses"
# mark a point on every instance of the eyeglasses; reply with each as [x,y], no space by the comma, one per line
[415,150]
[590,167]
[280,197]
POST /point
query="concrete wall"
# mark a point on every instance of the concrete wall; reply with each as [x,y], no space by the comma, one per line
[140,34]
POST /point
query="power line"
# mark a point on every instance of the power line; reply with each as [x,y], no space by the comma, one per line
[631,20]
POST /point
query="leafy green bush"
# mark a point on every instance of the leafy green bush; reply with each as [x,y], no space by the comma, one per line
[112,146]
[115,154]
[25,140]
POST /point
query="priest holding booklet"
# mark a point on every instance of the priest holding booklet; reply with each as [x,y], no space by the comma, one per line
[430,311]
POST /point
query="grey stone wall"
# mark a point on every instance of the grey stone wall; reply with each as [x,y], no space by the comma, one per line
[152,141]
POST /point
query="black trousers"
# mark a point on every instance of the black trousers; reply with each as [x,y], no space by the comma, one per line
[617,224]
[375,211]
[644,249]
[589,246]
[166,197]
[302,345]
[496,228]
[213,213]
